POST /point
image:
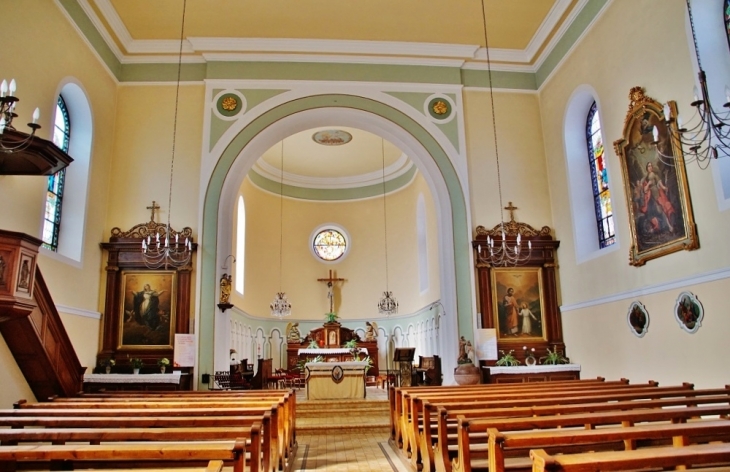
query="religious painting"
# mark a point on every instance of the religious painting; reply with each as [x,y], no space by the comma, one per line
[688,312]
[147,318]
[638,319]
[25,277]
[519,305]
[655,181]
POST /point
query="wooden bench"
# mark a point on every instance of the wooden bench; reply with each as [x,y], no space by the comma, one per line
[420,420]
[435,440]
[113,455]
[530,433]
[662,457]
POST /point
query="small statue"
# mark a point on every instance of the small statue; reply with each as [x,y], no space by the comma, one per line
[292,333]
[470,352]
[463,357]
[225,288]
[371,331]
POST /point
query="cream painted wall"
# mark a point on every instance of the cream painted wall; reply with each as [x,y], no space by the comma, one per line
[363,267]
[623,50]
[14,385]
[83,332]
[521,158]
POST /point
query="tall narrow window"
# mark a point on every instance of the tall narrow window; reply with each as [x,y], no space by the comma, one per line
[240,244]
[599,177]
[726,14]
[54,195]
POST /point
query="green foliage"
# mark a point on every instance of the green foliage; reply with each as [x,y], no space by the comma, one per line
[554,358]
[351,344]
[164,361]
[331,317]
[313,344]
[136,363]
[508,360]
[107,363]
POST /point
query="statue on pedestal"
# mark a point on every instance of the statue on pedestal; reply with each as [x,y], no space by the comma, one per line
[371,331]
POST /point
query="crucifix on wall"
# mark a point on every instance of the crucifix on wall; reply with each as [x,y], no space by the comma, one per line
[331,280]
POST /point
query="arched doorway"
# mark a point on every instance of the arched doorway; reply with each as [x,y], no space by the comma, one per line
[271,126]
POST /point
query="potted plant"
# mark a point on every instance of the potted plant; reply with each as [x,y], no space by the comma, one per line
[554,358]
[107,364]
[352,346]
[331,317]
[508,360]
[163,363]
[136,364]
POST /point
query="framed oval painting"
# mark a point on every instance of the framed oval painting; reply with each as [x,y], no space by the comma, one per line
[638,319]
[688,312]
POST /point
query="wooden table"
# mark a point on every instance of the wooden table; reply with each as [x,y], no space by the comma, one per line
[535,373]
[132,382]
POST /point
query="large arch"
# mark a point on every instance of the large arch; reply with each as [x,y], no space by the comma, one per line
[371,115]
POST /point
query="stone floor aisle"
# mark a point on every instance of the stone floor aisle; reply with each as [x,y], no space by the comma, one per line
[348,436]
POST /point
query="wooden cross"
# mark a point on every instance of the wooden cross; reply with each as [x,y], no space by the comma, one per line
[154,207]
[511,209]
[330,294]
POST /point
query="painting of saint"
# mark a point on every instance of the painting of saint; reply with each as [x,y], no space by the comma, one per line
[655,182]
[518,304]
[688,312]
[148,309]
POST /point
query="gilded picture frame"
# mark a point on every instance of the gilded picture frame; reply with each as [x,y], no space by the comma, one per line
[147,309]
[518,304]
[655,182]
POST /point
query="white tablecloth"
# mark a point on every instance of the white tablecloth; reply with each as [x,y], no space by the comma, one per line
[321,385]
[173,378]
[532,369]
[333,350]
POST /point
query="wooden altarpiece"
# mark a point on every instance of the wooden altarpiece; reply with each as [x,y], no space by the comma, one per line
[540,297]
[125,267]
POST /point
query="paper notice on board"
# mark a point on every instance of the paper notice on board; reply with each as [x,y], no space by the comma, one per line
[486,344]
[185,351]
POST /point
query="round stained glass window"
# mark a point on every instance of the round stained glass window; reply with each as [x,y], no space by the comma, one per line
[329,244]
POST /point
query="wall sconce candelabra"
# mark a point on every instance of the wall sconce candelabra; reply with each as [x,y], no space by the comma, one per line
[13,141]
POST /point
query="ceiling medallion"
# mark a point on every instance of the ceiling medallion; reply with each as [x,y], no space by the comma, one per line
[229,103]
[332,137]
[440,107]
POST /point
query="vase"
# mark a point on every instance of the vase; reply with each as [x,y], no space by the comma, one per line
[162,369]
[530,361]
[135,370]
[108,369]
[467,374]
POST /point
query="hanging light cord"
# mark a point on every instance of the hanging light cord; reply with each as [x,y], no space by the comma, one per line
[694,35]
[494,118]
[174,126]
[281,218]
[385,216]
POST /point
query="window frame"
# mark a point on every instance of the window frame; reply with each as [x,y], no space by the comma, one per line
[56,182]
[604,225]
[330,227]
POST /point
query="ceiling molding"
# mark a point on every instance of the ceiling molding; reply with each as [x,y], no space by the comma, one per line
[400,167]
[551,20]
[332,59]
[474,65]
[561,31]
[115,22]
[99,25]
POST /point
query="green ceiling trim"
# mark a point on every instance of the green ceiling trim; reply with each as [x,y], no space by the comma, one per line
[258,96]
[208,236]
[332,72]
[500,79]
[418,99]
[217,128]
[84,23]
[330,194]
[163,72]
[571,36]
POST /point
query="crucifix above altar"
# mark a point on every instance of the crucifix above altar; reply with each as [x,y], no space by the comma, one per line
[331,280]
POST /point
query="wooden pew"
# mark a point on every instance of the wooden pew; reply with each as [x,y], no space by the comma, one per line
[420,421]
[435,452]
[705,454]
[114,454]
[282,437]
[524,434]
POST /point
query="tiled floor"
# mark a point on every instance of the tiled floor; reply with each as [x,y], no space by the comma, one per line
[329,439]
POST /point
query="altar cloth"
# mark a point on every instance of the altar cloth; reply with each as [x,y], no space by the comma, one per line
[335,380]
[173,378]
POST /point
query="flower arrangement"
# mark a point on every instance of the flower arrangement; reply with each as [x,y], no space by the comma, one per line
[163,362]
[352,346]
[313,344]
[136,363]
[107,363]
[554,358]
[508,360]
[331,317]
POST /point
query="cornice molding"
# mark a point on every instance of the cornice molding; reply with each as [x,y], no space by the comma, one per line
[69,310]
[332,59]
[561,32]
[551,20]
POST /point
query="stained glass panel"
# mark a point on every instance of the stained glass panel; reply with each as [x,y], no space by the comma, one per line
[727,20]
[329,244]
[599,178]
[52,218]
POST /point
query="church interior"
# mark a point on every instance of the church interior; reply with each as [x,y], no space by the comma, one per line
[331,155]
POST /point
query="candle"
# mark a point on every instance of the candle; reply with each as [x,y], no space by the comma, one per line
[12,87]
[3,88]
[36,115]
[667,112]
[655,133]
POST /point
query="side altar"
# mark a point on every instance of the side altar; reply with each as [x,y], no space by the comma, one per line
[330,339]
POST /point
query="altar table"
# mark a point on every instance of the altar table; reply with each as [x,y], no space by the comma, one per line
[132,382]
[335,380]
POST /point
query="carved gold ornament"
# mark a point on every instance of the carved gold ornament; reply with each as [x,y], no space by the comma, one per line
[229,103]
[440,107]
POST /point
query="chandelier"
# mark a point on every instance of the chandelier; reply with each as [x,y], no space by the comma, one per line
[387,305]
[707,135]
[8,101]
[281,307]
[162,251]
[500,254]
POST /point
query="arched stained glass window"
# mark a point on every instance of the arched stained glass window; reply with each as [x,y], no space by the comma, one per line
[726,14]
[329,244]
[599,177]
[54,194]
